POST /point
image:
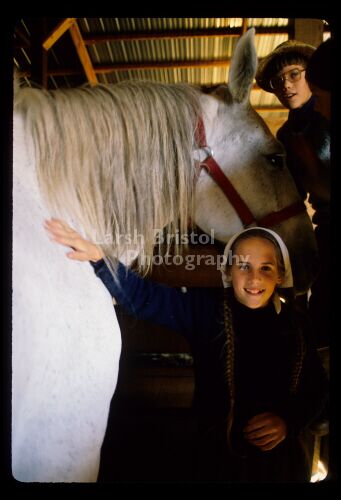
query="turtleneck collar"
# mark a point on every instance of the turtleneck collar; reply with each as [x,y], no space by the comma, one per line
[243,310]
[254,325]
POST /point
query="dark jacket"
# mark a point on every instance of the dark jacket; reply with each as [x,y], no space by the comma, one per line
[306,138]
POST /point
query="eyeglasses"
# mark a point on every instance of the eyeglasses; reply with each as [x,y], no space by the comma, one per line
[293,76]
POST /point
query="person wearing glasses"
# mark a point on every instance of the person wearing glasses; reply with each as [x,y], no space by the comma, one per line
[306,138]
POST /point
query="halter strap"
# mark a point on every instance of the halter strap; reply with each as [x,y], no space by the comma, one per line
[213,169]
[243,211]
[275,218]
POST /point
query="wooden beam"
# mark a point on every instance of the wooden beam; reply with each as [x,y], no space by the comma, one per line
[91,39]
[64,71]
[163,65]
[38,53]
[26,72]
[73,72]
[58,32]
[309,31]
[110,68]
[244,25]
[83,53]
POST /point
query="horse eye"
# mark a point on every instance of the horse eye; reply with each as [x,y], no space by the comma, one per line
[276,160]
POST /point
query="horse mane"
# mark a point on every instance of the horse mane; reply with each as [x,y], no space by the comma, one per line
[116,160]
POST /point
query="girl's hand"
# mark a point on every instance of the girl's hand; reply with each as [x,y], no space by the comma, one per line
[265,431]
[82,249]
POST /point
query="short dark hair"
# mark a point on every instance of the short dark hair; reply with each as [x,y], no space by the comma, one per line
[286,59]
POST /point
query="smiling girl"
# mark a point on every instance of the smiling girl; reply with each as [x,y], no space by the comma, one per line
[258,383]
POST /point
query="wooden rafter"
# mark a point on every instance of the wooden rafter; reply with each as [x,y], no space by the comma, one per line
[58,32]
[83,53]
[217,63]
[110,68]
[142,65]
[92,39]
[244,25]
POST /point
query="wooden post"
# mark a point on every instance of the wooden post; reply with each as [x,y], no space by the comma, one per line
[58,31]
[39,54]
[244,25]
[83,53]
[309,31]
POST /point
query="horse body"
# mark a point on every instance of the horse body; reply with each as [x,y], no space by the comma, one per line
[111,160]
[65,345]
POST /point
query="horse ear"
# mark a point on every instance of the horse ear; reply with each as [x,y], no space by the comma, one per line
[243,67]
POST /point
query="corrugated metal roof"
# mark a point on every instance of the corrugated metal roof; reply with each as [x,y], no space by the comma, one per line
[161,50]
[179,49]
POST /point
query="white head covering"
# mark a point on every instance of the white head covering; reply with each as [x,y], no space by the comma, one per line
[287,281]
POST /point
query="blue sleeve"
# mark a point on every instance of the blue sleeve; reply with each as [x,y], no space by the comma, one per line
[148,300]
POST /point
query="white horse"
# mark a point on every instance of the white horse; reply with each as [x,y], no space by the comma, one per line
[117,161]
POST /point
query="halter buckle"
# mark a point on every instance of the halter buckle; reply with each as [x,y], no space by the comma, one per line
[201,155]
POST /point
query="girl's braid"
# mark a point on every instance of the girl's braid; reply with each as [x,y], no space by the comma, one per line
[297,367]
[230,362]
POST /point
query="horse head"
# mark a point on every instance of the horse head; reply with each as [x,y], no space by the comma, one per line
[253,161]
[117,161]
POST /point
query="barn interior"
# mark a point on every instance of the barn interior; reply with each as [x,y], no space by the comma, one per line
[151,425]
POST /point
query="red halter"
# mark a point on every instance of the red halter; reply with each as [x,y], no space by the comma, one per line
[243,211]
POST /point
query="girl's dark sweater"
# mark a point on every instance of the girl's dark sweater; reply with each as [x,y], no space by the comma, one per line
[266,347]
